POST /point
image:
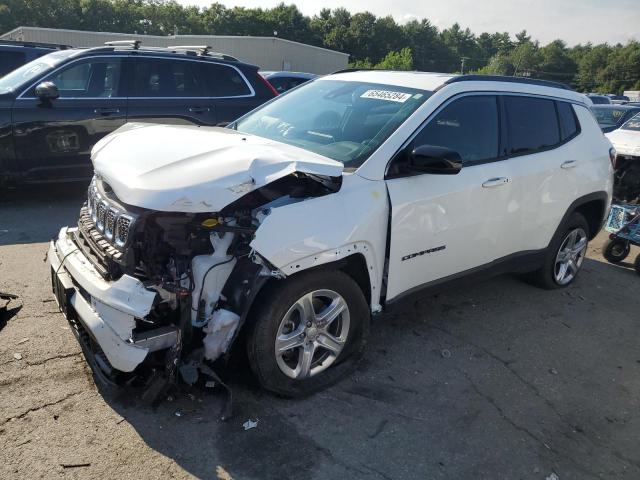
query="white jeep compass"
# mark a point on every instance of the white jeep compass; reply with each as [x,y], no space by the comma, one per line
[283,233]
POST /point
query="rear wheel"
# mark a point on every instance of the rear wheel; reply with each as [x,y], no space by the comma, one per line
[616,250]
[565,255]
[308,331]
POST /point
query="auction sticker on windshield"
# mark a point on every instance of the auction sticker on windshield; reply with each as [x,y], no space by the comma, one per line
[390,96]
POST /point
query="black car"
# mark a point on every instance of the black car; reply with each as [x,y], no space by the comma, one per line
[55,108]
[612,117]
[13,54]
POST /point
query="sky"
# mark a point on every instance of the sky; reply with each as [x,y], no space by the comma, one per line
[575,21]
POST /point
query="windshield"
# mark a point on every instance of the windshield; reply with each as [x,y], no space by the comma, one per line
[633,124]
[27,72]
[607,116]
[345,121]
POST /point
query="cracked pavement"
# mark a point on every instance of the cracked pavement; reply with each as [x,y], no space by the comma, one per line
[492,380]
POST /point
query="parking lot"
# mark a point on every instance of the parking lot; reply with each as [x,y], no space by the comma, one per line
[495,380]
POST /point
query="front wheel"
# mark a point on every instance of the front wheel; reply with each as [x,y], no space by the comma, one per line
[308,331]
[616,250]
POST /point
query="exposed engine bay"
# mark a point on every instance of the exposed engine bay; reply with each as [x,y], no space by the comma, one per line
[200,266]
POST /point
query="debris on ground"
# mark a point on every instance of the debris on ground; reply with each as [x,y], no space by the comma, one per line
[75,465]
[445,353]
[17,356]
[20,342]
[249,424]
[553,476]
[553,371]
[178,413]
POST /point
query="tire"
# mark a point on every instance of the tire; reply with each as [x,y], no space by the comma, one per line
[547,276]
[278,314]
[636,264]
[616,250]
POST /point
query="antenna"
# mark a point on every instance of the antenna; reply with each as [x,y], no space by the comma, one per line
[135,44]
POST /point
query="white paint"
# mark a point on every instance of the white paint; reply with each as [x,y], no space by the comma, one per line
[626,142]
[184,168]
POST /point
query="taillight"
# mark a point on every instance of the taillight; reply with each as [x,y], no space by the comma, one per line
[613,156]
[268,85]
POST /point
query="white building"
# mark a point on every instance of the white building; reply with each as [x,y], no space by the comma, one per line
[269,53]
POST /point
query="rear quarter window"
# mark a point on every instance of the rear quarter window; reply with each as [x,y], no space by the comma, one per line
[10,60]
[224,81]
[532,124]
[569,126]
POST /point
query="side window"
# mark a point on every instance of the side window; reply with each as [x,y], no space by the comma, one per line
[468,126]
[91,78]
[10,60]
[532,122]
[166,78]
[224,81]
[568,122]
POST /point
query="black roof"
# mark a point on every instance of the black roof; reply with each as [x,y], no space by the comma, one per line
[501,78]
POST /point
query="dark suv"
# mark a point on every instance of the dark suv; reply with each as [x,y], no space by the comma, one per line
[55,108]
[14,54]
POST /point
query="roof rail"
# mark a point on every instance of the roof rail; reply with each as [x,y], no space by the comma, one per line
[501,78]
[135,44]
[200,49]
[59,46]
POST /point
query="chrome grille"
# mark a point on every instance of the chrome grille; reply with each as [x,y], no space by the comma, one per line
[108,219]
[122,230]
[110,222]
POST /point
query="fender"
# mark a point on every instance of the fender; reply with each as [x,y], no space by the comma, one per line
[303,235]
[601,196]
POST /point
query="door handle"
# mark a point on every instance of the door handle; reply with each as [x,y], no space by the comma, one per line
[569,164]
[495,182]
[106,111]
[198,109]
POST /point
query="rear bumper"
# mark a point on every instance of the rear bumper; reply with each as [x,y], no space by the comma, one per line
[107,311]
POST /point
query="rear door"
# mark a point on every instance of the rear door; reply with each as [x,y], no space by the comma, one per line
[443,225]
[229,90]
[53,139]
[168,90]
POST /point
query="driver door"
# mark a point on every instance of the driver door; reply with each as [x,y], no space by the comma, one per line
[54,138]
[445,225]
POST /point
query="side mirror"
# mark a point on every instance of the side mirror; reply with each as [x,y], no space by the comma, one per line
[435,160]
[47,91]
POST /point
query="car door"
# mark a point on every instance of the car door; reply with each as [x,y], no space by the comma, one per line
[168,90]
[444,225]
[53,138]
[545,162]
[230,93]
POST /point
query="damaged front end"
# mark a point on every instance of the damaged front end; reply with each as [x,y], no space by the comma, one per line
[155,295]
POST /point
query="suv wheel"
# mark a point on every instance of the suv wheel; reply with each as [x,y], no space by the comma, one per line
[308,331]
[565,255]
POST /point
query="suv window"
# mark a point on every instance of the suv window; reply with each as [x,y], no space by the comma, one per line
[533,124]
[10,60]
[156,77]
[91,78]
[223,81]
[568,122]
[468,126]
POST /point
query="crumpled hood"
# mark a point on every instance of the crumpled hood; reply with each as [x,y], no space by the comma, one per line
[626,142]
[176,168]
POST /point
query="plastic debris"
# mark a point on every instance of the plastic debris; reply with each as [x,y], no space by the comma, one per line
[553,371]
[553,476]
[249,424]
[17,356]
[178,413]
[445,353]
